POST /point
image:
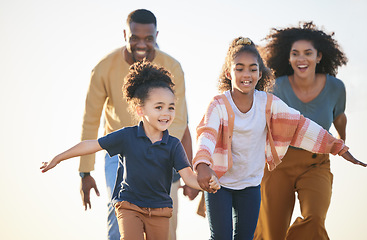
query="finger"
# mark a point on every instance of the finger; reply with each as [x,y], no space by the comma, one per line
[96,190]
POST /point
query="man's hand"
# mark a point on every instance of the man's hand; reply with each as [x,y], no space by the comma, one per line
[204,175]
[191,193]
[87,183]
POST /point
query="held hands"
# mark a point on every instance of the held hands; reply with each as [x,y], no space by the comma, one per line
[207,179]
[348,156]
[214,183]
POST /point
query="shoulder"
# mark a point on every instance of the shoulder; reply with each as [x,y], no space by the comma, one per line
[166,60]
[109,58]
[334,82]
[281,80]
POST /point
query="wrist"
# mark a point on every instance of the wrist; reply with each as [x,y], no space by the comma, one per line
[84,174]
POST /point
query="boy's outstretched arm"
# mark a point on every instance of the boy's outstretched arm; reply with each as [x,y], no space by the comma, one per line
[349,157]
[190,179]
[83,148]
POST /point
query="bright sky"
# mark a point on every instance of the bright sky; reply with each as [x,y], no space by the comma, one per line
[47,51]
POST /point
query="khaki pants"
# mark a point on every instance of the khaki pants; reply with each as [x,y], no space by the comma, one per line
[307,174]
[135,222]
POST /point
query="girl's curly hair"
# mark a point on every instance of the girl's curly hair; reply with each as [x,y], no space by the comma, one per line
[237,46]
[280,41]
[142,77]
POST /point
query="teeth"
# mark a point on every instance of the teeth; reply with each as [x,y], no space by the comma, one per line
[246,82]
[302,66]
[140,52]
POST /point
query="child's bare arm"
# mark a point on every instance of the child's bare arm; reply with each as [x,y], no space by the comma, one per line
[348,156]
[83,148]
[190,179]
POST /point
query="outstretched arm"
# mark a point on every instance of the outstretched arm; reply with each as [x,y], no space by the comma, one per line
[83,148]
[190,180]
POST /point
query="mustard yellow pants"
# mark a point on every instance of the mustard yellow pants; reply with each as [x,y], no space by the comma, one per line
[307,174]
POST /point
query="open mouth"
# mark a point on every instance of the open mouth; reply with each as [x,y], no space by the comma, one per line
[141,53]
[246,83]
[302,68]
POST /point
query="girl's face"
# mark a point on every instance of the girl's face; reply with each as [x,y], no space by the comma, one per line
[303,58]
[158,111]
[244,73]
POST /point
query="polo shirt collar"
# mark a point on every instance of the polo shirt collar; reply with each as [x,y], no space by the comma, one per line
[141,133]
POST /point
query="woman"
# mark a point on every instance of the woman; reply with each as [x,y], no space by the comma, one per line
[305,61]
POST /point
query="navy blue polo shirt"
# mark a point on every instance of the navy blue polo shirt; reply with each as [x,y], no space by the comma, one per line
[144,174]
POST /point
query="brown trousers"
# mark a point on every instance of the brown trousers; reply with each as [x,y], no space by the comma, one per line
[136,223]
[307,174]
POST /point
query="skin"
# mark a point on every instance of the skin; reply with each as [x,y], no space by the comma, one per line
[157,114]
[140,42]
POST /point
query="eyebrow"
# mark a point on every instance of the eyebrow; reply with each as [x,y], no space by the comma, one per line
[158,103]
[252,64]
[295,50]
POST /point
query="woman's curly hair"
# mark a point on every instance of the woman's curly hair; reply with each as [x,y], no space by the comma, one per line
[142,77]
[280,41]
[237,46]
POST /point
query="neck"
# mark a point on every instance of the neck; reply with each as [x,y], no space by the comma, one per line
[305,83]
[153,135]
[243,101]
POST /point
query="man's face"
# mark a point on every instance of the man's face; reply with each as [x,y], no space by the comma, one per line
[140,41]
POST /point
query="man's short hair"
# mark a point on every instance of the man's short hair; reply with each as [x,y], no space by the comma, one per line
[141,16]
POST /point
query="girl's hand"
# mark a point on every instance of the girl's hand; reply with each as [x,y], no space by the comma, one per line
[49,165]
[348,156]
[214,183]
[204,175]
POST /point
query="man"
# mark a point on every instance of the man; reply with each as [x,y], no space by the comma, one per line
[105,93]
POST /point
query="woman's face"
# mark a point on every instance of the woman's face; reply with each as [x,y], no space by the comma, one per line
[303,58]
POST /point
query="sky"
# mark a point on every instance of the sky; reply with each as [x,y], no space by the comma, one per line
[47,51]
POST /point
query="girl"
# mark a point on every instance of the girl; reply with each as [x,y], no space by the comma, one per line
[148,155]
[305,61]
[241,130]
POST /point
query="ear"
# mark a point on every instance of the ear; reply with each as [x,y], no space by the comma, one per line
[156,35]
[125,35]
[139,111]
[319,57]
[228,75]
[260,75]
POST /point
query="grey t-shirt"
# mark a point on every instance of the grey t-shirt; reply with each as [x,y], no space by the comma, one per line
[328,105]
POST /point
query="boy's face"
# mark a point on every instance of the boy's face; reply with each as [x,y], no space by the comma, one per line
[158,111]
[140,41]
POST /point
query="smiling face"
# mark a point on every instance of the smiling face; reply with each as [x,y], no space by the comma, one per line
[140,41]
[158,111]
[244,73]
[303,58]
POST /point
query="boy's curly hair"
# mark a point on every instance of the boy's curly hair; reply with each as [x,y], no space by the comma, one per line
[237,46]
[142,77]
[280,41]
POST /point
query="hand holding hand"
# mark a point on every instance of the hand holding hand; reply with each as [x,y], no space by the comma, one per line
[348,156]
[204,175]
[214,183]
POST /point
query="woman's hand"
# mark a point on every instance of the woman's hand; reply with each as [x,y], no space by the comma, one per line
[348,156]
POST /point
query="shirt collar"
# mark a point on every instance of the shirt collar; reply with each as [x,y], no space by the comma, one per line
[141,133]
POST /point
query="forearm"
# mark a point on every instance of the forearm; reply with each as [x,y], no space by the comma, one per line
[190,178]
[83,148]
[187,144]
[340,124]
